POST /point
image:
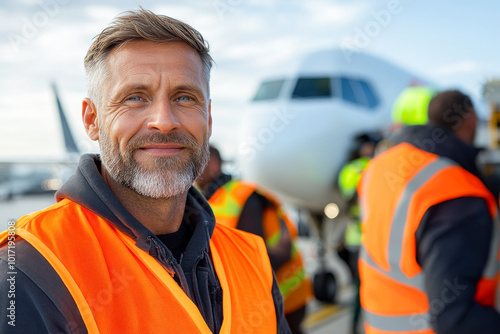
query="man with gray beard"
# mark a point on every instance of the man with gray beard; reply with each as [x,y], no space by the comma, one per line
[131,246]
[166,179]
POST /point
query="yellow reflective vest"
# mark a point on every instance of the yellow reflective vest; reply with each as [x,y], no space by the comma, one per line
[348,179]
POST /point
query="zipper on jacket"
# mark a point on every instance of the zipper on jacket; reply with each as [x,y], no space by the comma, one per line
[194,274]
[216,284]
[212,307]
[161,256]
[170,266]
[206,252]
[194,278]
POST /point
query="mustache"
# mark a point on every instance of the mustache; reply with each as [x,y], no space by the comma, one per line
[139,141]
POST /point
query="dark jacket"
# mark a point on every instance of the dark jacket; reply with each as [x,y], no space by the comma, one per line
[453,241]
[40,292]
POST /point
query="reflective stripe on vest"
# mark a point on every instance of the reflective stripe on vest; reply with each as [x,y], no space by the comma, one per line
[119,288]
[400,276]
[398,323]
[228,202]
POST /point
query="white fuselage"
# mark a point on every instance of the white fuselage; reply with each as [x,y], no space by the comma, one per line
[295,146]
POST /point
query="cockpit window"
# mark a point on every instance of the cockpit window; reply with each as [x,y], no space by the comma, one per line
[312,88]
[269,90]
[359,92]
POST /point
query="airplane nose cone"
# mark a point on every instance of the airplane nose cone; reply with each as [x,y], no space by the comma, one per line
[291,153]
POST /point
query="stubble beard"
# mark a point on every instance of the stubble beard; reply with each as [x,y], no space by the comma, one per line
[170,176]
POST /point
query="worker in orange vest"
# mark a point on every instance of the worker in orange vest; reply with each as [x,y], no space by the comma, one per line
[247,207]
[429,258]
[131,247]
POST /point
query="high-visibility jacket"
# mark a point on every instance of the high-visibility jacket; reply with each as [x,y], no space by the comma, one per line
[89,254]
[349,177]
[397,188]
[228,202]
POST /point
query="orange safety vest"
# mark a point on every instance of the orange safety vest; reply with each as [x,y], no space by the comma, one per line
[119,288]
[228,202]
[396,190]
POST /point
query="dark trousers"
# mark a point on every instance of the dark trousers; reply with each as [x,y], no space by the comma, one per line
[350,256]
[295,318]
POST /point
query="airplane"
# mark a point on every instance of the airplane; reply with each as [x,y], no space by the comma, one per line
[300,126]
[28,175]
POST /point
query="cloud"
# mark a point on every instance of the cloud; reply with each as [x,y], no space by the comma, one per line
[324,12]
[100,13]
[457,68]
[29,2]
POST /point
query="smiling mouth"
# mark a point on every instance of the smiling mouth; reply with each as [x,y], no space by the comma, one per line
[163,149]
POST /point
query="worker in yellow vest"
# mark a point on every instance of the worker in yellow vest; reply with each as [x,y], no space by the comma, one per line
[249,208]
[429,261]
[131,247]
[348,178]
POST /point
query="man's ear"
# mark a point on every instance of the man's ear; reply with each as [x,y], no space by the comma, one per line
[89,118]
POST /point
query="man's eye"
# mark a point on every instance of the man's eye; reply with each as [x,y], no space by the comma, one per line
[135,99]
[184,98]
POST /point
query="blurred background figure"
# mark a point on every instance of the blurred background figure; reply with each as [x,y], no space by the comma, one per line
[349,176]
[428,262]
[410,107]
[247,207]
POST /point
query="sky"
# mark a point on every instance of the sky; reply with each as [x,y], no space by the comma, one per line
[451,43]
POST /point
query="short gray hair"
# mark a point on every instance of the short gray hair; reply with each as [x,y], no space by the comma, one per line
[139,25]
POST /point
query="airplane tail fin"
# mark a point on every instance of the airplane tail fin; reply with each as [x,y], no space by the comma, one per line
[69,140]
